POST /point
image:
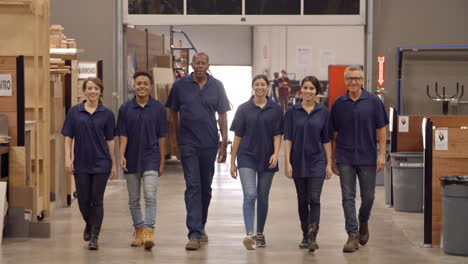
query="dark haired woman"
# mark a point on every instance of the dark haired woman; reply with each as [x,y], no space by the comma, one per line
[308,156]
[258,128]
[91,125]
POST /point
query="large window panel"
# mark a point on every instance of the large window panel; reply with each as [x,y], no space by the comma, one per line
[331,7]
[167,7]
[214,7]
[272,7]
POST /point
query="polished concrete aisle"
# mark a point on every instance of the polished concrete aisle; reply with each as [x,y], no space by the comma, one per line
[395,237]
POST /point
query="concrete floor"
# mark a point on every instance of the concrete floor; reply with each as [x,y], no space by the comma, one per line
[395,237]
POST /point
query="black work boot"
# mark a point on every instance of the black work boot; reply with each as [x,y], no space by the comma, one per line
[87,233]
[93,241]
[305,235]
[313,230]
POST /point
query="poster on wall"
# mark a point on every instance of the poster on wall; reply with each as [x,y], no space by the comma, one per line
[6,84]
[87,69]
[304,56]
[326,58]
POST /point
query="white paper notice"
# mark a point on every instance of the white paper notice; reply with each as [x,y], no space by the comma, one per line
[304,55]
[403,124]
[326,58]
[6,85]
[441,139]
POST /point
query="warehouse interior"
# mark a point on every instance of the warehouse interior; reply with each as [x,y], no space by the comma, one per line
[48,47]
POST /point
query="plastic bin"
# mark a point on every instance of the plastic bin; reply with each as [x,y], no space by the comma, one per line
[454,191]
[407,174]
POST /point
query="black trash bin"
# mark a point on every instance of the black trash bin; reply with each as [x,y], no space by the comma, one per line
[455,214]
[407,178]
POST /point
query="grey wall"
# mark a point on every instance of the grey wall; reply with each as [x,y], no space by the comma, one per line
[226,45]
[93,25]
[421,23]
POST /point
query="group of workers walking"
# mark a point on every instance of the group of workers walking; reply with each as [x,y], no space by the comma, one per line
[318,143]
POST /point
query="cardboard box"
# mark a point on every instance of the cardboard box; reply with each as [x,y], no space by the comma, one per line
[164,61]
[16,167]
[22,197]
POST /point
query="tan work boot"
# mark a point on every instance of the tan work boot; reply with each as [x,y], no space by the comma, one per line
[138,237]
[363,233]
[193,244]
[352,244]
[148,238]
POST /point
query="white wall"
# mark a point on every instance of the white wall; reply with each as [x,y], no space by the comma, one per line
[226,45]
[276,48]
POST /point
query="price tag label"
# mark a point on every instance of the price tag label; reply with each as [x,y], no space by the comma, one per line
[6,85]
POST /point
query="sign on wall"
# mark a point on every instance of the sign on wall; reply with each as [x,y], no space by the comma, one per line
[87,69]
[6,85]
[381,71]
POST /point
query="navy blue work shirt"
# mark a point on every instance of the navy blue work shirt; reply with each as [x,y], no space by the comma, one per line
[197,107]
[356,123]
[308,133]
[142,126]
[257,127]
[90,131]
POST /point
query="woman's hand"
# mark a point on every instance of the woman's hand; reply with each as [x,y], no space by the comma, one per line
[69,166]
[113,174]
[288,170]
[273,161]
[328,172]
[233,170]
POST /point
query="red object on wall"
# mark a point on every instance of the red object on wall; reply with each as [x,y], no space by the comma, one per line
[336,84]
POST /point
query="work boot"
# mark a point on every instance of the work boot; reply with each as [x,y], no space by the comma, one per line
[305,235]
[87,233]
[148,238]
[193,244]
[313,230]
[204,236]
[249,241]
[352,243]
[363,233]
[138,237]
[93,240]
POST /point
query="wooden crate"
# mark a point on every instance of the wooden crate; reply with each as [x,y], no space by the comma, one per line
[25,31]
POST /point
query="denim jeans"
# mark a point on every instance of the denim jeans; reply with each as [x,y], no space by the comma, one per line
[366,176]
[255,191]
[198,165]
[150,184]
[90,190]
[308,192]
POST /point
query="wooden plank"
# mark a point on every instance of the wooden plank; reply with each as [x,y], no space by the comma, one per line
[3,207]
[16,167]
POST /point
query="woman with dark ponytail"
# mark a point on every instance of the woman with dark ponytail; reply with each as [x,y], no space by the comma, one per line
[258,126]
[308,156]
[91,126]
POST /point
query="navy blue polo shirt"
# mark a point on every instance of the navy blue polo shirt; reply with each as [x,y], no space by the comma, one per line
[356,123]
[90,131]
[308,133]
[257,127]
[143,126]
[197,107]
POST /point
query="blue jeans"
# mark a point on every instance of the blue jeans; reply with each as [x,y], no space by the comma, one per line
[254,191]
[150,183]
[198,165]
[366,176]
[308,192]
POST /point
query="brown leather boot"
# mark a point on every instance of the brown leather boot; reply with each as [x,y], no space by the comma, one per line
[363,233]
[352,243]
[138,237]
[148,238]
